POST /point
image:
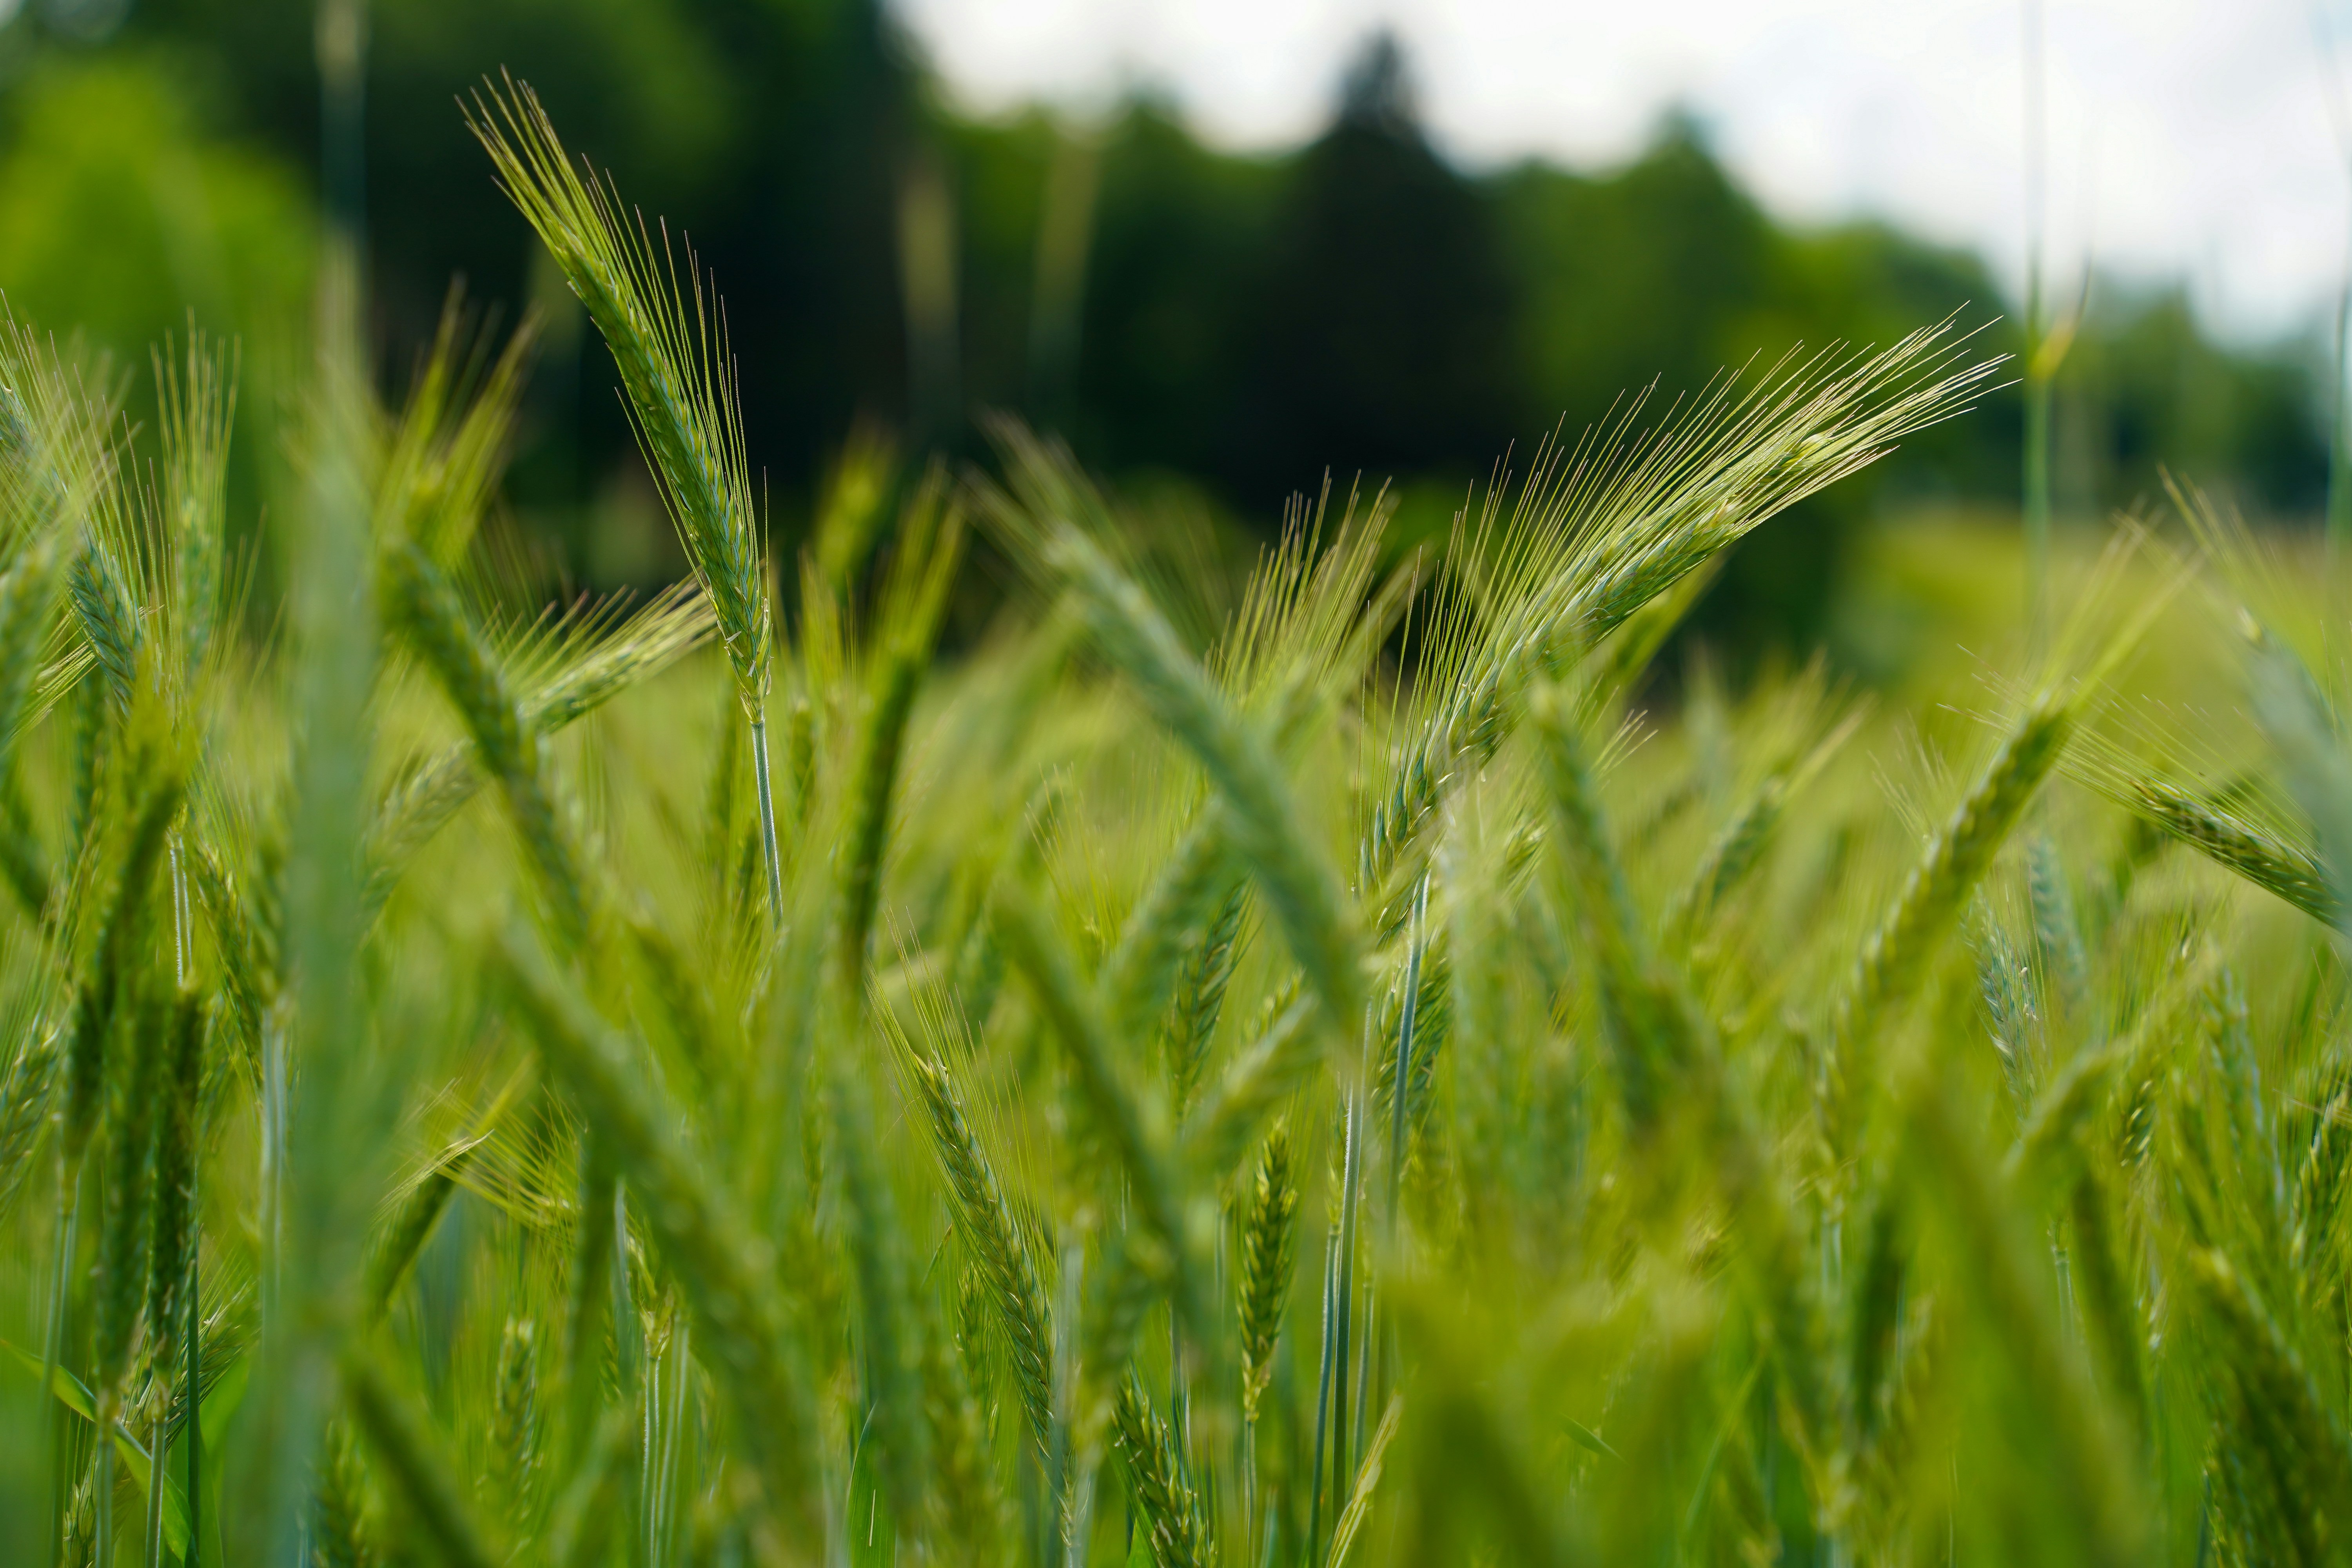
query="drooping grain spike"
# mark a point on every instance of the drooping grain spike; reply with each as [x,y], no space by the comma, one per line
[426,611]
[410,1226]
[1898,952]
[1142,971]
[1302,893]
[999,1249]
[2261,857]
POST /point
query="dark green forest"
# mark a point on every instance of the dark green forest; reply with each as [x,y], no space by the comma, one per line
[1239,325]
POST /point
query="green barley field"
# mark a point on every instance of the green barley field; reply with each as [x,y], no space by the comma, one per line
[1293,1061]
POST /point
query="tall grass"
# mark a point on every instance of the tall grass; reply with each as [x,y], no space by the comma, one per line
[1297,1063]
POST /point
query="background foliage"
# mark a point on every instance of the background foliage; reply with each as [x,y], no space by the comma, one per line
[1244,324]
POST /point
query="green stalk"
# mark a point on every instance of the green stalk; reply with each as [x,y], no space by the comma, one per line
[1322,1400]
[103,1492]
[1344,1299]
[767,816]
[69,1218]
[159,1445]
[192,1396]
[1402,1091]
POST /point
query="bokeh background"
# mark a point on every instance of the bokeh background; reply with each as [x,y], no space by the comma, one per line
[919,218]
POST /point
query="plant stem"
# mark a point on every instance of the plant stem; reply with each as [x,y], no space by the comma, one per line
[103,1492]
[1322,1394]
[1400,1093]
[767,816]
[192,1388]
[159,1445]
[1248,1474]
[60,1490]
[1062,1456]
[1343,1462]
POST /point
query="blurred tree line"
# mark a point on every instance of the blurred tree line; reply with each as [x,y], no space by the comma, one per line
[1242,324]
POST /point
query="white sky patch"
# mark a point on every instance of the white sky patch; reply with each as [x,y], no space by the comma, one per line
[2188,139]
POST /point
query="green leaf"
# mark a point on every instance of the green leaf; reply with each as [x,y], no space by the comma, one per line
[132,1453]
[1586,1437]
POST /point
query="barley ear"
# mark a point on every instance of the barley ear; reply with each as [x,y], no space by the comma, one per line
[1269,1247]
[2318,769]
[999,1249]
[248,966]
[912,603]
[996,1242]
[122,1259]
[678,378]
[515,1421]
[1729,856]
[1174,1525]
[109,617]
[179,1139]
[1898,952]
[426,611]
[157,781]
[1143,970]
[2280,868]
[198,407]
[1200,999]
[1302,893]
[670,349]
[29,1092]
[410,1226]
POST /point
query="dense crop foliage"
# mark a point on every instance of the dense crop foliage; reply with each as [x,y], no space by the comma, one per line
[1289,1067]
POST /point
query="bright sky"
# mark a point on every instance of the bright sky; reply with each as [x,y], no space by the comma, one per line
[2187,138]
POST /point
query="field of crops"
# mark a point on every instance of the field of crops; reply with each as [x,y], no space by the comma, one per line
[1287,1062]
